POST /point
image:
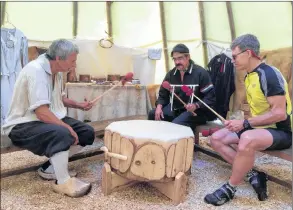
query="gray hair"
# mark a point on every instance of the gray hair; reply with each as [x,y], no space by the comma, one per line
[246,42]
[62,48]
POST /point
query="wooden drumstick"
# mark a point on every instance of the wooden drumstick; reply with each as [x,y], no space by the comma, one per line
[167,86]
[128,77]
[187,90]
[113,155]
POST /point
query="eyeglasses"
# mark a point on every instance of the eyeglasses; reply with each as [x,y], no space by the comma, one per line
[235,56]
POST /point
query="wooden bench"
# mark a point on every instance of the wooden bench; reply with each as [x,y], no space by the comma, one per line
[285,154]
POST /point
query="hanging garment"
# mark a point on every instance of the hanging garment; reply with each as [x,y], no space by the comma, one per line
[14,55]
[221,70]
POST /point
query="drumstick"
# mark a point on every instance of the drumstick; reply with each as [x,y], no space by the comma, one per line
[187,90]
[127,77]
[167,86]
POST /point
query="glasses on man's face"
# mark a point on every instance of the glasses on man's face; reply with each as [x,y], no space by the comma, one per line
[235,56]
[179,58]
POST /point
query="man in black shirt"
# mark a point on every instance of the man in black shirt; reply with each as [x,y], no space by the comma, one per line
[185,72]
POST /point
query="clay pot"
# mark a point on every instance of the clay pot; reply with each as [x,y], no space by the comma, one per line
[113,77]
[71,77]
[84,78]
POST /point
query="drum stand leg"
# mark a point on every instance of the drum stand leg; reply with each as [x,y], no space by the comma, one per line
[112,181]
[174,190]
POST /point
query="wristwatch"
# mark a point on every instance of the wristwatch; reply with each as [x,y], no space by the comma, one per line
[246,124]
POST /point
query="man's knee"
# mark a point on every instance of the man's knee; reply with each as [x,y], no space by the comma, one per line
[245,143]
[151,114]
[216,140]
[62,133]
[215,143]
[88,135]
[60,140]
[182,119]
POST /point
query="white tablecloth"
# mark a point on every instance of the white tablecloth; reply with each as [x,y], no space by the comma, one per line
[121,102]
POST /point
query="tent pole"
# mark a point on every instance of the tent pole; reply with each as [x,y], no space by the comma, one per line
[75,19]
[231,20]
[109,19]
[164,36]
[203,32]
[3,10]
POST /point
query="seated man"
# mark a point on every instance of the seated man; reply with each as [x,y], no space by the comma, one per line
[185,72]
[37,117]
[269,128]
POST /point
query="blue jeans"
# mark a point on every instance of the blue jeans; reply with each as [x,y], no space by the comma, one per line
[181,117]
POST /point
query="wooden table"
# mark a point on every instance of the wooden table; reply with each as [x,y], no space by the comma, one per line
[121,102]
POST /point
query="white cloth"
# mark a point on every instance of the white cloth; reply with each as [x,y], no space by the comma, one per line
[144,68]
[33,88]
[216,49]
[14,55]
[155,54]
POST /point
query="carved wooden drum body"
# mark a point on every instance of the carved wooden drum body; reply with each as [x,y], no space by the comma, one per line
[155,150]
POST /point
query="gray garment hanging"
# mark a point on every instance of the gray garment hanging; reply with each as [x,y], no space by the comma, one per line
[14,53]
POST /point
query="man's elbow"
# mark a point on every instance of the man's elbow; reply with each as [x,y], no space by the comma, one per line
[40,115]
[281,115]
[41,112]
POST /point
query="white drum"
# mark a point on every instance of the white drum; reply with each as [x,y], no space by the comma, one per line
[149,150]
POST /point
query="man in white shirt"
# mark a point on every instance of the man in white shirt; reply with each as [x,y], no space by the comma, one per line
[37,118]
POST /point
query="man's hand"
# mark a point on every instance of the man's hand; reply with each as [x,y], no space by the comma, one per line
[45,115]
[190,107]
[85,106]
[159,113]
[72,132]
[234,125]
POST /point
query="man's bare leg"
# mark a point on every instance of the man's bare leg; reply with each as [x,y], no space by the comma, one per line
[221,141]
[249,143]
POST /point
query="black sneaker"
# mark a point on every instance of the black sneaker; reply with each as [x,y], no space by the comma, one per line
[221,195]
[258,181]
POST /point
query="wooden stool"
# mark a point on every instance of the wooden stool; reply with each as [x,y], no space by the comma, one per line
[156,152]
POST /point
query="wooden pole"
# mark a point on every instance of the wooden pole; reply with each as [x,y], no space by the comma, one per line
[203,32]
[231,20]
[109,19]
[3,10]
[75,19]
[164,36]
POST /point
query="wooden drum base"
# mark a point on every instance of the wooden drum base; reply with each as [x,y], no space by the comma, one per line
[175,189]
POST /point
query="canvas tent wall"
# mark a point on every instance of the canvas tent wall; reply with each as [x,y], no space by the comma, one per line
[156,24]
